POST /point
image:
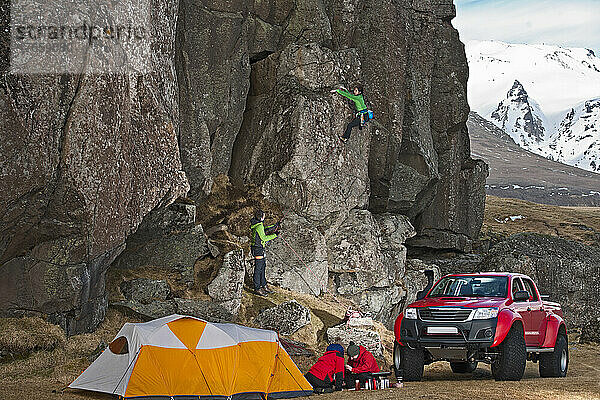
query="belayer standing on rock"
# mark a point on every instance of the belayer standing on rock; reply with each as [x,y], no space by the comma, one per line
[259,236]
[362,115]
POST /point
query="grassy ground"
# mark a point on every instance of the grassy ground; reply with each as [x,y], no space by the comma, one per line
[574,223]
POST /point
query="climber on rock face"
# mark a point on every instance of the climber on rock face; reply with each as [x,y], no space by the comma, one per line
[362,113]
[259,236]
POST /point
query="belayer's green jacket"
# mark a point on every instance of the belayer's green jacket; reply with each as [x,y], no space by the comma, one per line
[359,101]
[258,234]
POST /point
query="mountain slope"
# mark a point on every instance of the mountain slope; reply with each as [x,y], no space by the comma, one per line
[518,173]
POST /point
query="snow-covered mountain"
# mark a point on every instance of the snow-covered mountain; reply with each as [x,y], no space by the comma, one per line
[545,97]
[521,117]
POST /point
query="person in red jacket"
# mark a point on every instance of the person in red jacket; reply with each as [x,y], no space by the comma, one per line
[361,364]
[328,371]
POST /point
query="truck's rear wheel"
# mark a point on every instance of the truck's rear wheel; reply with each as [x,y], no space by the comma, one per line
[555,364]
[463,367]
[510,364]
[408,363]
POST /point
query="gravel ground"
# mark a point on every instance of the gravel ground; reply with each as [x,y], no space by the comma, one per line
[582,382]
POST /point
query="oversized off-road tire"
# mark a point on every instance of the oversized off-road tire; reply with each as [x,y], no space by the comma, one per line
[409,363]
[555,364]
[463,367]
[510,364]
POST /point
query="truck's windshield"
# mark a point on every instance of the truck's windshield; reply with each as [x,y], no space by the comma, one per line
[471,286]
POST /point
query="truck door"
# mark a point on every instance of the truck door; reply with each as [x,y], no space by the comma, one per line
[521,306]
[537,331]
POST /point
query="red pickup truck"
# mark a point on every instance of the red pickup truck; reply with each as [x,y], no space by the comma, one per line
[495,318]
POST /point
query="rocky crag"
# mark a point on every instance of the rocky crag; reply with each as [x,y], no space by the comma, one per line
[564,270]
[241,89]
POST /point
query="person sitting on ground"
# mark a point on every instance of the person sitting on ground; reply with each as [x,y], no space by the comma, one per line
[328,372]
[361,109]
[361,364]
[259,237]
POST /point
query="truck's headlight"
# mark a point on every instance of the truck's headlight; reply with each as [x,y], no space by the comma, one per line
[485,313]
[410,313]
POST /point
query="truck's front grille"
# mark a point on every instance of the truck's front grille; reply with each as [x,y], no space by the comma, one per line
[444,314]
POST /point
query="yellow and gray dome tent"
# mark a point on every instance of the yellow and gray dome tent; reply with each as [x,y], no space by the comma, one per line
[181,357]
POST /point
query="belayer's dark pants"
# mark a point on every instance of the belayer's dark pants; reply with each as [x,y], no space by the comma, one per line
[354,123]
[260,280]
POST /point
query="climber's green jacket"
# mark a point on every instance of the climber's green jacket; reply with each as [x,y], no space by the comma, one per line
[359,101]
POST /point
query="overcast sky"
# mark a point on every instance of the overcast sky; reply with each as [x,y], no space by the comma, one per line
[567,23]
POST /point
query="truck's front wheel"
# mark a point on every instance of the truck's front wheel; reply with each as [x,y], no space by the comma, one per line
[510,364]
[408,363]
[555,364]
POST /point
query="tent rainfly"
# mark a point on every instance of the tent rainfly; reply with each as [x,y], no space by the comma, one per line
[184,358]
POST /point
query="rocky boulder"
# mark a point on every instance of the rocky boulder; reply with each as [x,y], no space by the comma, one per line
[167,239]
[362,333]
[285,318]
[206,310]
[203,309]
[414,279]
[563,269]
[145,290]
[154,309]
[226,288]
[297,258]
[367,258]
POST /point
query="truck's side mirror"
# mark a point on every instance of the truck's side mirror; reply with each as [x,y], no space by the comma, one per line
[521,295]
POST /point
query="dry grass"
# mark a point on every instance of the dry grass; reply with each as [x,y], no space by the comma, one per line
[24,335]
[234,207]
[574,223]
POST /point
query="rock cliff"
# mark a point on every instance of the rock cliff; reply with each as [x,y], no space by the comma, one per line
[242,88]
[84,158]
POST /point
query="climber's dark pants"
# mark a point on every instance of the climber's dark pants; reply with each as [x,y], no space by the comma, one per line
[260,280]
[354,123]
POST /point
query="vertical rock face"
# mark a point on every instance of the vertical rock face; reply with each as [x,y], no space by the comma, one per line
[86,156]
[226,288]
[297,259]
[413,67]
[288,143]
[212,71]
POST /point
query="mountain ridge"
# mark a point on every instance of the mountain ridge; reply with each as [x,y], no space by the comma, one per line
[544,96]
